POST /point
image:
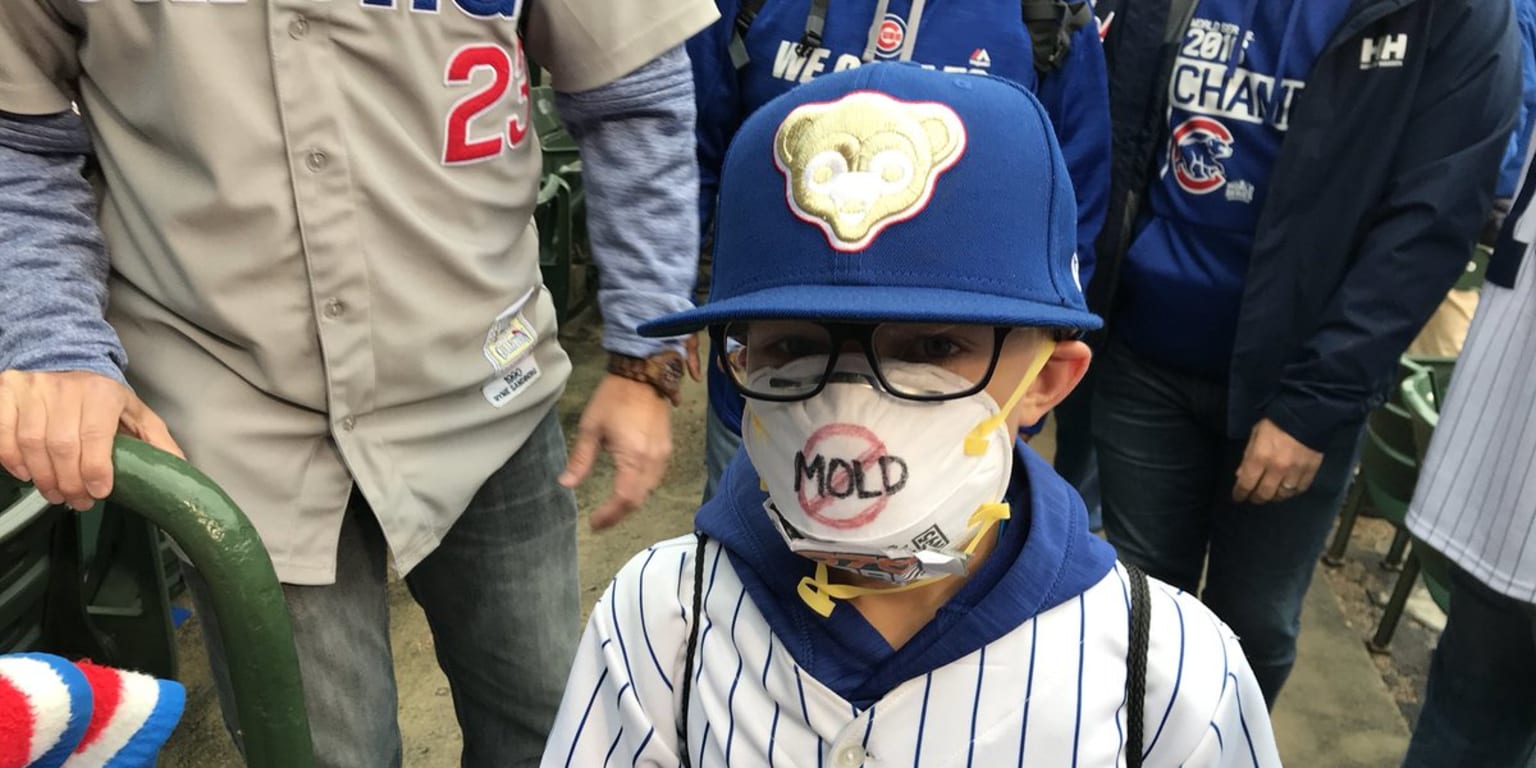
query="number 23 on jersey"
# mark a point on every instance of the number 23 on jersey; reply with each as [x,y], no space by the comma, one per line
[502,101]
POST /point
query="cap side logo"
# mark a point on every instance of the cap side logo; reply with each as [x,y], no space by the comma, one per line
[859,164]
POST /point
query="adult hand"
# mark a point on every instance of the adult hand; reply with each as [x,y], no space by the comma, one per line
[56,431]
[632,421]
[1275,466]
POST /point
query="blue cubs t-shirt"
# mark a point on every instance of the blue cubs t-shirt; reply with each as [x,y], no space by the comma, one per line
[1235,84]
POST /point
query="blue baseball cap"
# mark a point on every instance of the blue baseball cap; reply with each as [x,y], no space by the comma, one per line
[891,193]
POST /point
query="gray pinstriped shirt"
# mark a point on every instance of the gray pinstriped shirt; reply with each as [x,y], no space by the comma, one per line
[1476,498]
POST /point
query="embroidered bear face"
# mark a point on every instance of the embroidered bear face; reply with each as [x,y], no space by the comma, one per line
[859,164]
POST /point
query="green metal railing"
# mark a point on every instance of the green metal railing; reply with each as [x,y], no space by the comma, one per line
[247,599]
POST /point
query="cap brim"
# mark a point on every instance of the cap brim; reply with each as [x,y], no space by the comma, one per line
[873,304]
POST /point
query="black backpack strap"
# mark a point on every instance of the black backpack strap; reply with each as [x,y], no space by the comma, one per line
[815,25]
[1051,25]
[1136,665]
[745,13]
[693,646]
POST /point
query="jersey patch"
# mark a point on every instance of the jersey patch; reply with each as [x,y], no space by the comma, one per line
[892,34]
[505,388]
[511,337]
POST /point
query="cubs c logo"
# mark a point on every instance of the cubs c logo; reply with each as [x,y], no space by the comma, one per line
[893,32]
[1197,148]
[864,162]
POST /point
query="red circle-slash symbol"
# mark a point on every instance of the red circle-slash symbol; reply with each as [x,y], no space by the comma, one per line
[868,452]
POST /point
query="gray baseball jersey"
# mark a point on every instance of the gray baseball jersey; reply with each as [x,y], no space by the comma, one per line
[1049,693]
[320,220]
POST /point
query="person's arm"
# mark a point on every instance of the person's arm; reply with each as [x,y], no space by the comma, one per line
[62,392]
[1076,96]
[718,98]
[625,91]
[54,296]
[1238,733]
[1443,184]
[636,137]
[621,696]
[1203,705]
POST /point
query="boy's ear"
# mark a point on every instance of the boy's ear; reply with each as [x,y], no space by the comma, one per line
[1061,374]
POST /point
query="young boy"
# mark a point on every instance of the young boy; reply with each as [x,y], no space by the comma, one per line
[887,577]
[761,48]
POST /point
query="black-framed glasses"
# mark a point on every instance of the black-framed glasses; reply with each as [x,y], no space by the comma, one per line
[789,360]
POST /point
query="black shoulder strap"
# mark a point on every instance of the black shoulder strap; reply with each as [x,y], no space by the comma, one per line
[1136,666]
[693,645]
[1051,24]
[745,13]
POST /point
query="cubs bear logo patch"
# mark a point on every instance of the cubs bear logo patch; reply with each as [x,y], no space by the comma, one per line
[1197,147]
[859,164]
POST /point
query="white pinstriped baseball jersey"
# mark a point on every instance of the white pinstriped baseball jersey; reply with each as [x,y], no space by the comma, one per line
[1475,497]
[1049,692]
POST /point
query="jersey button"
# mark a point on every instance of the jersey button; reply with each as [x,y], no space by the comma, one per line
[850,756]
[316,160]
[348,423]
[334,309]
[298,28]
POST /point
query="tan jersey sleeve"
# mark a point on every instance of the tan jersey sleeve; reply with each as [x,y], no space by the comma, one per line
[588,43]
[38,58]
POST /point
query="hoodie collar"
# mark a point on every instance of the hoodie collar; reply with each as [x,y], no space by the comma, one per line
[1045,557]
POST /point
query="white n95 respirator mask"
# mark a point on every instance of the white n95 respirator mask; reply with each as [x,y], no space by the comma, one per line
[885,487]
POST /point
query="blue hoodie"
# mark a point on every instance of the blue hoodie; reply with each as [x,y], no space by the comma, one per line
[981,36]
[1520,142]
[1045,557]
[1184,274]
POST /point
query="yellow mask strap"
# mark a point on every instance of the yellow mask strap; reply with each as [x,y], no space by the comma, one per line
[986,516]
[976,441]
[818,592]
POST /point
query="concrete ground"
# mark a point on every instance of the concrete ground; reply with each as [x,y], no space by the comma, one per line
[1336,712]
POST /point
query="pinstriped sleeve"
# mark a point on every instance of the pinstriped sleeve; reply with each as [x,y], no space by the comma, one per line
[1231,717]
[620,705]
[1203,706]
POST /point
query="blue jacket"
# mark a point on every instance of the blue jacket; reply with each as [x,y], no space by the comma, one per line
[983,36]
[1379,190]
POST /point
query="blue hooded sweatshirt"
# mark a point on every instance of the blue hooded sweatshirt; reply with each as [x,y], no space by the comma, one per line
[1241,68]
[1044,557]
[979,36]
[1520,142]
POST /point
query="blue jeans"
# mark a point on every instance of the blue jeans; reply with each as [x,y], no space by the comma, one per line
[500,594]
[1480,706]
[1075,458]
[720,446]
[1166,469]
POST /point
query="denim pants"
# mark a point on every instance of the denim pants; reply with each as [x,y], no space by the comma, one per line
[1075,457]
[1166,472]
[1480,706]
[720,446]
[500,594]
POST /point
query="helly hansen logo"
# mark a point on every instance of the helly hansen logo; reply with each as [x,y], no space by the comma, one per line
[1383,52]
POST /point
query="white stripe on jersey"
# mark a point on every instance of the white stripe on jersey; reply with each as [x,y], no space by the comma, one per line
[1050,693]
[1476,499]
